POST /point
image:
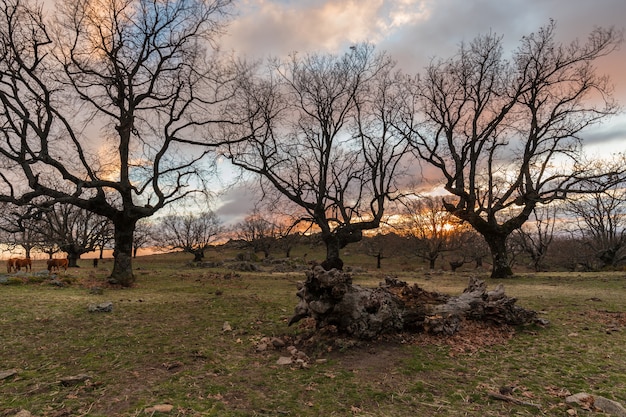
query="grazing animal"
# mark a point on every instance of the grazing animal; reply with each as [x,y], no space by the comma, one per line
[11,265]
[57,264]
[23,263]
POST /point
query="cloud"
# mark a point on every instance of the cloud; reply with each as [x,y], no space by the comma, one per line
[237,202]
[281,27]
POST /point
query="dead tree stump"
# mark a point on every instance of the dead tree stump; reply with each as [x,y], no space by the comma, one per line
[330,298]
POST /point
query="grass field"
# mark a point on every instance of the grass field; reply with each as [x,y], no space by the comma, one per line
[188,341]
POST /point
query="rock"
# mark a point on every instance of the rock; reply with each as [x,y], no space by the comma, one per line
[284,360]
[96,291]
[101,308]
[159,408]
[8,373]
[278,343]
[74,380]
[596,402]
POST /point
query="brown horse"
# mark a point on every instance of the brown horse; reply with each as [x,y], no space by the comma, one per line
[57,264]
[11,265]
[23,263]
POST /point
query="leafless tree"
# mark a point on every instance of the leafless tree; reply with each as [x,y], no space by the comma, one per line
[191,233]
[74,230]
[18,226]
[143,236]
[506,135]
[600,222]
[536,235]
[320,132]
[431,227]
[258,232]
[100,104]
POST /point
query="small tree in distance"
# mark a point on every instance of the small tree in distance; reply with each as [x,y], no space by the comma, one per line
[433,229]
[191,233]
[534,238]
[599,220]
[258,232]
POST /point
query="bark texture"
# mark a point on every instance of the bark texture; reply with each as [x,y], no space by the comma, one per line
[330,298]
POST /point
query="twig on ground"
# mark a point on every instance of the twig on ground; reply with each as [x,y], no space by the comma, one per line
[513,400]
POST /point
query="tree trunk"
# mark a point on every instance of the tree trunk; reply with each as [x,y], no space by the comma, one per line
[339,239]
[431,263]
[122,273]
[332,247]
[198,255]
[365,313]
[72,259]
[499,254]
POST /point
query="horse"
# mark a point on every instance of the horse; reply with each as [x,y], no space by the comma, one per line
[57,264]
[11,265]
[23,263]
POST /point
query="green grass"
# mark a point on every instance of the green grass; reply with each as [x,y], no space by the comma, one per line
[164,344]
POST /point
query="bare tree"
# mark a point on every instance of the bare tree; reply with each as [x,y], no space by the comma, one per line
[76,231]
[142,72]
[190,233]
[535,236]
[258,232]
[600,222]
[433,229]
[143,235]
[18,224]
[319,131]
[506,135]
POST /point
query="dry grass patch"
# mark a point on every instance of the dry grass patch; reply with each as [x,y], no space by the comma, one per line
[165,343]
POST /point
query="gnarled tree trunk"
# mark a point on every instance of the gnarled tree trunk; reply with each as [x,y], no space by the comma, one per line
[365,313]
[122,273]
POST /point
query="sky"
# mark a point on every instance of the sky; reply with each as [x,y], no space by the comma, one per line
[413,32]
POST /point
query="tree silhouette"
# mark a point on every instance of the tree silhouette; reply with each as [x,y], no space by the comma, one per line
[319,131]
[506,135]
[100,104]
[191,233]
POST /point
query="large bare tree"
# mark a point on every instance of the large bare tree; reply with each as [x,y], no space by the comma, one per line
[320,132]
[506,134]
[100,102]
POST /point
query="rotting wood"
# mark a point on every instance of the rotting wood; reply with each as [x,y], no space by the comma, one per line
[330,298]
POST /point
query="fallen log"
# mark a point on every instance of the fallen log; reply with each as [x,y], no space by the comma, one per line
[330,298]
